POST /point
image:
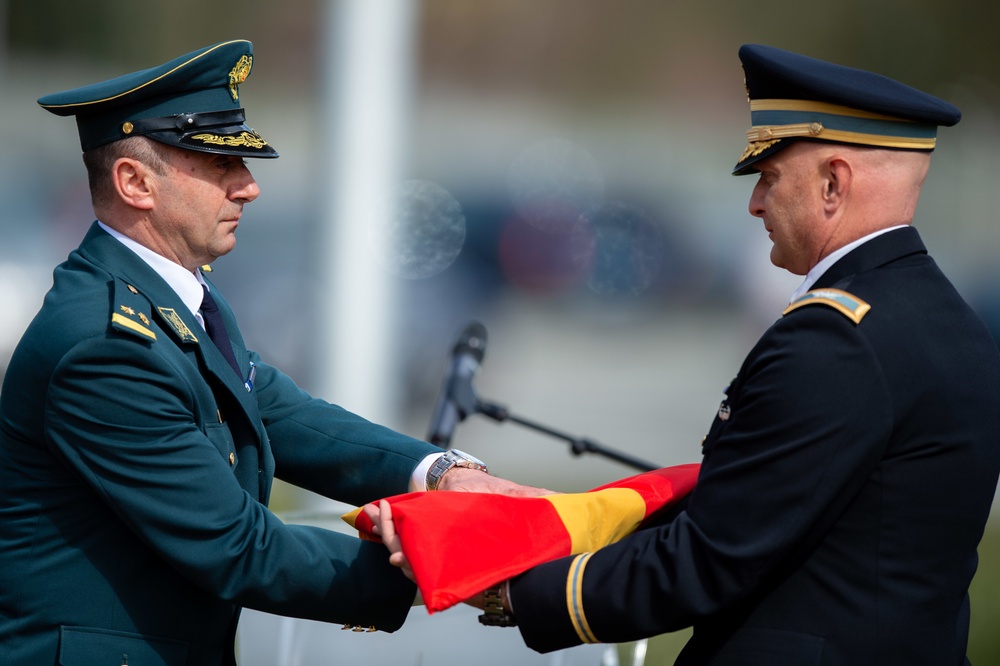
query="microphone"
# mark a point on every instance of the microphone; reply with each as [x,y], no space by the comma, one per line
[456,399]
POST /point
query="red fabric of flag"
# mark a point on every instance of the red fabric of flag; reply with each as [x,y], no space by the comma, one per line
[459,543]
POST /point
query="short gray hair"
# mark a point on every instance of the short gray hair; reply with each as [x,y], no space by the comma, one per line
[99,162]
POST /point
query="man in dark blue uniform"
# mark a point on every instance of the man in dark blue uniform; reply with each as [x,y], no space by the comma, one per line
[850,469]
[139,436]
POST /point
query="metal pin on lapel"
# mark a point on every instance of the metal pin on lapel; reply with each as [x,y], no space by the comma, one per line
[253,375]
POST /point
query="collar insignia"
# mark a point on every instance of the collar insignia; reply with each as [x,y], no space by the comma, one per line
[176,323]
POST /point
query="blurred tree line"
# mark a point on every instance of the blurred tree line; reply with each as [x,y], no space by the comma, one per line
[624,47]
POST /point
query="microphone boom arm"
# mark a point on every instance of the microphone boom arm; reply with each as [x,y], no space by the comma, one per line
[578,445]
[458,399]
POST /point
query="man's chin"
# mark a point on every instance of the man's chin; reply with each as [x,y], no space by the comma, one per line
[782,264]
[224,248]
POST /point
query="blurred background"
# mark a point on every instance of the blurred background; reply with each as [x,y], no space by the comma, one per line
[557,170]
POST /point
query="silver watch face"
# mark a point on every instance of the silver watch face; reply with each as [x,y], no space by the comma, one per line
[463,456]
[452,458]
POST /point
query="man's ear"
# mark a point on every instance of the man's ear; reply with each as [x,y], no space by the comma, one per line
[837,175]
[133,183]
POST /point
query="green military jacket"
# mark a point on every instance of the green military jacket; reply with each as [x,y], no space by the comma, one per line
[135,470]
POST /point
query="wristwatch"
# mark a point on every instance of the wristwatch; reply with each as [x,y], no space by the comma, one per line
[494,614]
[452,458]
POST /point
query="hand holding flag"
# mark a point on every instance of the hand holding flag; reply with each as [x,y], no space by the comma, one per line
[458,544]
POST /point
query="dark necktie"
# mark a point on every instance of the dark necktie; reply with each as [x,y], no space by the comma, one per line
[216,329]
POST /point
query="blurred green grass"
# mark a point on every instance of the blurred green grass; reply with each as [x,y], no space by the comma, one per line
[984,594]
[984,640]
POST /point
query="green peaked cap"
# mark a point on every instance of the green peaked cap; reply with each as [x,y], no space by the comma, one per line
[191,102]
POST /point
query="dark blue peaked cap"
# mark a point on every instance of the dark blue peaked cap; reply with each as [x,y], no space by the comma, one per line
[191,102]
[794,97]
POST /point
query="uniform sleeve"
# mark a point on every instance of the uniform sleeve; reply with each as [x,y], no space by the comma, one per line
[138,428]
[807,421]
[327,449]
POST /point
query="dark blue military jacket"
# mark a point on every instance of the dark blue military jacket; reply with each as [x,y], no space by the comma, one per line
[135,468]
[846,482]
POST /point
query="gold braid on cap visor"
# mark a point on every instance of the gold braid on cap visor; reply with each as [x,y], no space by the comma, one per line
[777,119]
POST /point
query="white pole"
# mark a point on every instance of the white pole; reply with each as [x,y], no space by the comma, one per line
[367,73]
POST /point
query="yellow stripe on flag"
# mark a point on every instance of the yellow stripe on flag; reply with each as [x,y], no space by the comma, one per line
[453,559]
[587,516]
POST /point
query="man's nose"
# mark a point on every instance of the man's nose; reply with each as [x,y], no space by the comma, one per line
[756,206]
[247,189]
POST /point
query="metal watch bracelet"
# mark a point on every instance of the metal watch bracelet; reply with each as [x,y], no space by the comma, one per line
[451,459]
[494,613]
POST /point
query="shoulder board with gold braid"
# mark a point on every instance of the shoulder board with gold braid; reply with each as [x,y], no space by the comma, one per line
[846,304]
[131,311]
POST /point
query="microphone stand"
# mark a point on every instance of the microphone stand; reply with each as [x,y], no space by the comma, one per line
[578,445]
[458,400]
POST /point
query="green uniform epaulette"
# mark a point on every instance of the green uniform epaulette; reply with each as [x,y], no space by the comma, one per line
[846,304]
[131,311]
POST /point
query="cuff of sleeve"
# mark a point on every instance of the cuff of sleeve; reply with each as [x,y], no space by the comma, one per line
[418,480]
[543,614]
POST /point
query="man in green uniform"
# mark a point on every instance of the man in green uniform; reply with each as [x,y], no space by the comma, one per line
[139,436]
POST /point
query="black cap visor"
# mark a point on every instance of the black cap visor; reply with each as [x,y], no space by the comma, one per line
[219,132]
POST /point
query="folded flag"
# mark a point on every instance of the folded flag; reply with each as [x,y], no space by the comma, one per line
[459,543]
